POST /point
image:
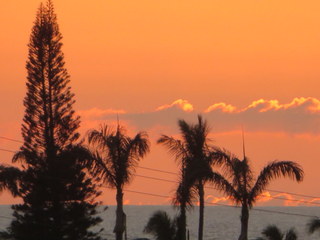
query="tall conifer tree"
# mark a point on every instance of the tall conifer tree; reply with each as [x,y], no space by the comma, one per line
[58,198]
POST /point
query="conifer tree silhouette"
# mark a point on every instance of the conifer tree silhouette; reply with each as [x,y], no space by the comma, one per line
[58,198]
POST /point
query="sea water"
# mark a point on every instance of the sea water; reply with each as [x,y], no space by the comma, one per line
[221,223]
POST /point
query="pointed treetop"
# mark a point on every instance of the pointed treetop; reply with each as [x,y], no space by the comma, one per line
[243,144]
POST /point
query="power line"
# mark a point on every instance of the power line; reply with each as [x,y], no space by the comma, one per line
[150,194]
[171,181]
[154,178]
[172,173]
[296,194]
[168,172]
[210,203]
[270,190]
[6,217]
[157,170]
[6,150]
[139,192]
[11,139]
[217,204]
[163,171]
[295,200]
[279,198]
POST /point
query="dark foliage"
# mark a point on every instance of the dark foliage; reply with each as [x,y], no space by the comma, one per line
[313,225]
[10,178]
[161,226]
[272,232]
[58,198]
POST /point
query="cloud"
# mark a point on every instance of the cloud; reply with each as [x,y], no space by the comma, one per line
[97,113]
[266,198]
[180,103]
[165,116]
[299,116]
[221,106]
[216,200]
[288,199]
[310,104]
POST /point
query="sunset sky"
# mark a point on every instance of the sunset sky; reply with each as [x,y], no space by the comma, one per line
[250,63]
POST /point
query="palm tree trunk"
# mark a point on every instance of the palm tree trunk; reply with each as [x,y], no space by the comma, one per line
[201,210]
[244,222]
[119,227]
[182,223]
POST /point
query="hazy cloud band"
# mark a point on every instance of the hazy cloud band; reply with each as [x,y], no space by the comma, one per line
[301,115]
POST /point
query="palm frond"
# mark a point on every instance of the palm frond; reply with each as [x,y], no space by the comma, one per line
[186,133]
[139,146]
[186,192]
[240,173]
[291,234]
[175,146]
[275,170]
[102,170]
[161,226]
[195,137]
[313,225]
[132,150]
[99,138]
[225,159]
[272,232]
[202,131]
[223,185]
[115,155]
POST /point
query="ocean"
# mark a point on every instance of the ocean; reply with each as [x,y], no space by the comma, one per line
[221,223]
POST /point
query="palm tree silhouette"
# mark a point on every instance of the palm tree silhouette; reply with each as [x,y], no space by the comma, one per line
[245,189]
[183,196]
[196,158]
[161,226]
[115,157]
[313,225]
[272,232]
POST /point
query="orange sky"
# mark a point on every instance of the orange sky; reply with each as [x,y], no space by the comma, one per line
[136,56]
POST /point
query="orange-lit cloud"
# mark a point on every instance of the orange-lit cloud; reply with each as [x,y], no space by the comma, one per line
[288,199]
[221,106]
[301,115]
[314,200]
[309,104]
[266,198]
[262,105]
[180,103]
[212,199]
[97,112]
